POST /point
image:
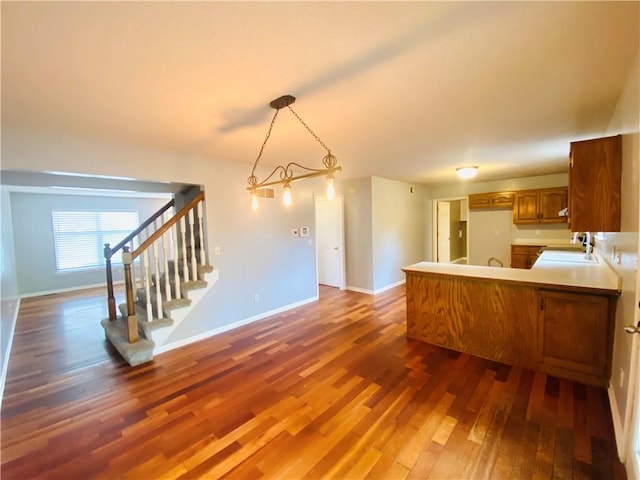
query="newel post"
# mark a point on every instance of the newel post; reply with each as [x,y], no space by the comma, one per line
[132,318]
[111,299]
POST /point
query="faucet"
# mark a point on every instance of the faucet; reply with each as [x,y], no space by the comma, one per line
[586,242]
[588,248]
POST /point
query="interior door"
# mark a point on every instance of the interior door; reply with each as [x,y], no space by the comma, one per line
[633,456]
[330,241]
[444,232]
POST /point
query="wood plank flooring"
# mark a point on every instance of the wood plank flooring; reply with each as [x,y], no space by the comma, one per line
[332,389]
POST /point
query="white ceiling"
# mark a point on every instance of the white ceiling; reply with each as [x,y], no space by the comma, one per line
[406,91]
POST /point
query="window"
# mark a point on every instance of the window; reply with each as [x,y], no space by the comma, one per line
[79,237]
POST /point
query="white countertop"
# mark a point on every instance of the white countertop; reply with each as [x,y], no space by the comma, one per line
[593,276]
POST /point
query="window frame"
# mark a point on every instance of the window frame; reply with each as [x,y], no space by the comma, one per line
[71,234]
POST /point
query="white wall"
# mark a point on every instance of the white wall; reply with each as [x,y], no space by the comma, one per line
[490,236]
[625,120]
[398,229]
[258,255]
[34,243]
[9,287]
[358,233]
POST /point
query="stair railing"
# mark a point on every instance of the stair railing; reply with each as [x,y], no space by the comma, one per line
[110,252]
[162,246]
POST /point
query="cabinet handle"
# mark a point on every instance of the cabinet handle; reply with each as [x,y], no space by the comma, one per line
[542,304]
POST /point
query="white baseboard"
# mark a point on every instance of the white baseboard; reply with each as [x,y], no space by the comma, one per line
[618,428]
[231,326]
[360,290]
[69,289]
[5,361]
[379,290]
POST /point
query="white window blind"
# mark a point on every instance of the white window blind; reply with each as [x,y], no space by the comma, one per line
[79,236]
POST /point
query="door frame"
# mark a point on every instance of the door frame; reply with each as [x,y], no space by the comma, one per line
[342,284]
[434,227]
[631,443]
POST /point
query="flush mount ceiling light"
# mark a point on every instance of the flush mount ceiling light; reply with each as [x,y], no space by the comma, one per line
[287,173]
[467,172]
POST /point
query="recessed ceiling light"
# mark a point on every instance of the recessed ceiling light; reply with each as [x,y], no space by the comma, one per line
[467,172]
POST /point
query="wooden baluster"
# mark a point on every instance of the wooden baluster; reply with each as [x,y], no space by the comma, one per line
[111,299]
[147,283]
[183,238]
[132,318]
[165,256]
[203,260]
[156,264]
[192,247]
[176,272]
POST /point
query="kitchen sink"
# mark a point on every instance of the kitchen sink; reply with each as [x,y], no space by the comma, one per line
[571,257]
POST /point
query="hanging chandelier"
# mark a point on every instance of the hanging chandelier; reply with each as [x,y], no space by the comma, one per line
[285,175]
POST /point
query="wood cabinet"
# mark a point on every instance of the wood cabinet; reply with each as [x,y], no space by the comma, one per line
[564,331]
[540,206]
[524,256]
[575,333]
[491,200]
[595,176]
[490,319]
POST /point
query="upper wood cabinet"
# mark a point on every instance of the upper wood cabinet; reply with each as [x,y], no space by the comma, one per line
[491,200]
[540,206]
[595,176]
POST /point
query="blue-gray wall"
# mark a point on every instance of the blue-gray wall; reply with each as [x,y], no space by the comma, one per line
[258,255]
[33,237]
[9,287]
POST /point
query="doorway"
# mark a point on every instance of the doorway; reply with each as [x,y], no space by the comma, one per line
[450,242]
[330,255]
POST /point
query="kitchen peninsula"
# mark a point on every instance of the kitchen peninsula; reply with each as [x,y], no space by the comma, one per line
[556,318]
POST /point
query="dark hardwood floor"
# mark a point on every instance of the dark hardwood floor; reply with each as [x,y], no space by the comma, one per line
[333,389]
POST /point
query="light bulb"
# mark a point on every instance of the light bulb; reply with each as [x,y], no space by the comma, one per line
[331,189]
[254,201]
[286,196]
[467,172]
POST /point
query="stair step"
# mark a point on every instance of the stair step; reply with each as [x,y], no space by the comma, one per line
[134,353]
[200,269]
[166,304]
[185,287]
[141,308]
[145,324]
[193,285]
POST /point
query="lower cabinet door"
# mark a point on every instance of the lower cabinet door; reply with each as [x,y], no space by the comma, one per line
[574,332]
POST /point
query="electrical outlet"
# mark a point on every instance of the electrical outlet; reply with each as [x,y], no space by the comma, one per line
[618,257]
[216,251]
[256,298]
[621,378]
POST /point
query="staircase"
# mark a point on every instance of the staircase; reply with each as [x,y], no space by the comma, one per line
[166,274]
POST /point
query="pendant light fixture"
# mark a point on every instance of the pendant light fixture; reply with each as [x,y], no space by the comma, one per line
[259,188]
